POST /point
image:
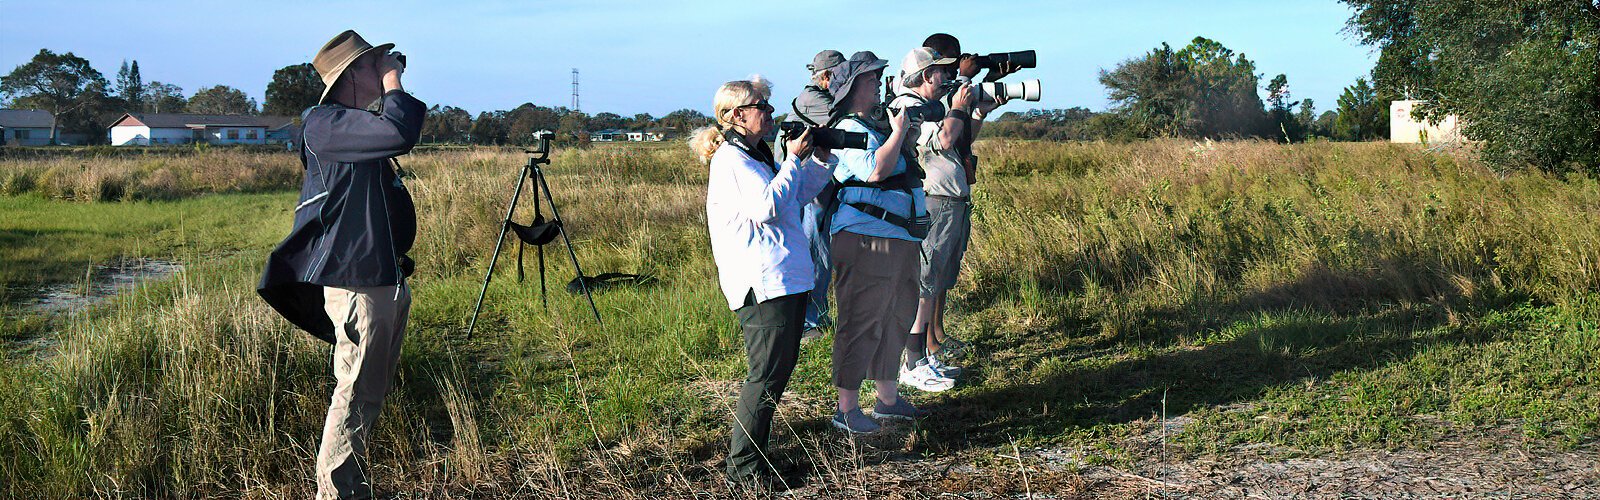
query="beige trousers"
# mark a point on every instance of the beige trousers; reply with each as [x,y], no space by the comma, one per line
[369,323]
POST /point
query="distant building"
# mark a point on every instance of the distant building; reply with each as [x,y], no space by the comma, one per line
[146,129]
[620,135]
[1405,129]
[25,127]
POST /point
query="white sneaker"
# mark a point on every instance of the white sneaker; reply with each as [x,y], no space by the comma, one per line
[944,370]
[923,377]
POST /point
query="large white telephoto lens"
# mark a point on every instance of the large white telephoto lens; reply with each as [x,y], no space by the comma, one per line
[1027,90]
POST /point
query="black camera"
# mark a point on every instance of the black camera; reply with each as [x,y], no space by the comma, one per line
[1020,59]
[920,113]
[399,57]
[825,138]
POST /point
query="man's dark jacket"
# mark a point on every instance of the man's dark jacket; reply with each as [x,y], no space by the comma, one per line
[355,220]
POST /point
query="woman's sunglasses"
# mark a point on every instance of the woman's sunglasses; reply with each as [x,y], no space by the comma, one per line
[762,105]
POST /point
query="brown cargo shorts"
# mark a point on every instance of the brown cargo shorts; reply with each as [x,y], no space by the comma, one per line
[875,287]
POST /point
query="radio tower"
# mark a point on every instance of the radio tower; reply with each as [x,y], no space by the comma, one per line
[575,89]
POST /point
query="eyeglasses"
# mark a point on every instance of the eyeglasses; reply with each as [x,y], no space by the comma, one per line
[761,105]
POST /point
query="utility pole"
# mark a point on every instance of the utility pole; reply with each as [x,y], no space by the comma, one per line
[575,89]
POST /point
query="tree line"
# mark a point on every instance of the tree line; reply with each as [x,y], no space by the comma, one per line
[1523,79]
[84,102]
[1202,91]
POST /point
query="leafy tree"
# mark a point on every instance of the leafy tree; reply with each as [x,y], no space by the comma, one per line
[130,86]
[522,122]
[1325,124]
[293,89]
[1362,115]
[1280,113]
[446,124]
[1203,90]
[1150,92]
[572,125]
[602,121]
[65,84]
[163,98]
[1523,77]
[221,100]
[642,121]
[1306,118]
[1222,91]
[489,128]
[684,120]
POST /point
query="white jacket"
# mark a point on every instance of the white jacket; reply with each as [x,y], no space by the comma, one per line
[754,216]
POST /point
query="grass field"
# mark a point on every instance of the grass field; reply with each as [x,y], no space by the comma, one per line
[1316,298]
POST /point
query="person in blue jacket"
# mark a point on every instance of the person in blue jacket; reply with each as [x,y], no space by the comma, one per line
[340,274]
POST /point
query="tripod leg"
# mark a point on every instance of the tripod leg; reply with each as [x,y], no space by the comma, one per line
[505,225]
[544,295]
[539,177]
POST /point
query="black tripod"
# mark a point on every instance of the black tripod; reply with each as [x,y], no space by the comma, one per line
[538,234]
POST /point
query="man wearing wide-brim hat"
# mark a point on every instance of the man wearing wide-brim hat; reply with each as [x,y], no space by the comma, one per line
[340,274]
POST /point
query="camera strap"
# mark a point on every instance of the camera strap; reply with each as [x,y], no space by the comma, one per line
[760,152]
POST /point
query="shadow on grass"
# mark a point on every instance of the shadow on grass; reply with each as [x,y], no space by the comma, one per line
[1319,325]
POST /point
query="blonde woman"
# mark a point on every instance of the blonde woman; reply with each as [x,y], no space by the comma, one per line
[754,206]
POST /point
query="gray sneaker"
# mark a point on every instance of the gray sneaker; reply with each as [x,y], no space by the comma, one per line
[854,422]
[901,409]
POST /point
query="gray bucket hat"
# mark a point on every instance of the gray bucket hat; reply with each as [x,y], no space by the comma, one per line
[844,75]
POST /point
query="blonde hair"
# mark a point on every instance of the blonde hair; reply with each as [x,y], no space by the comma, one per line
[705,140]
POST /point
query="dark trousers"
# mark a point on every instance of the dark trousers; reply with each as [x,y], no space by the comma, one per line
[772,332]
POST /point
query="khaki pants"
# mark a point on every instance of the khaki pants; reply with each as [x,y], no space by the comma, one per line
[369,323]
[875,287]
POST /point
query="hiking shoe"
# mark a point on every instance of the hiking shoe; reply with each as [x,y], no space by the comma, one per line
[944,370]
[924,378]
[901,409]
[854,422]
[952,345]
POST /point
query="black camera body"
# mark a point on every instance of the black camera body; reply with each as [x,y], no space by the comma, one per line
[1021,59]
[825,138]
[921,113]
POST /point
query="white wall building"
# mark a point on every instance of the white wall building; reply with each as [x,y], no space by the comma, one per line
[1405,129]
[175,128]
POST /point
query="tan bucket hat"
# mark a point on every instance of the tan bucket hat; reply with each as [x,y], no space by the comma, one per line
[336,56]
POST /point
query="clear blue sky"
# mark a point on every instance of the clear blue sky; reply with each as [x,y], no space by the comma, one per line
[655,57]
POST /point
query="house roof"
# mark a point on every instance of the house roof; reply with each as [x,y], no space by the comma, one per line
[26,118]
[185,120]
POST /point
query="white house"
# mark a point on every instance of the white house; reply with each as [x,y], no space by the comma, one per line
[620,135]
[177,128]
[25,127]
[1405,129]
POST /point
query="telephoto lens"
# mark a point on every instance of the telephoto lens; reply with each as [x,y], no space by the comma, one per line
[1021,59]
[825,138]
[1027,90]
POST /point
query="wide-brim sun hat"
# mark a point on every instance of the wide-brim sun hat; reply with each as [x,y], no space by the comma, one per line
[844,75]
[336,56]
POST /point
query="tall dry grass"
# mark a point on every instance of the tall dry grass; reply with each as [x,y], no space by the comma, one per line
[151,174]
